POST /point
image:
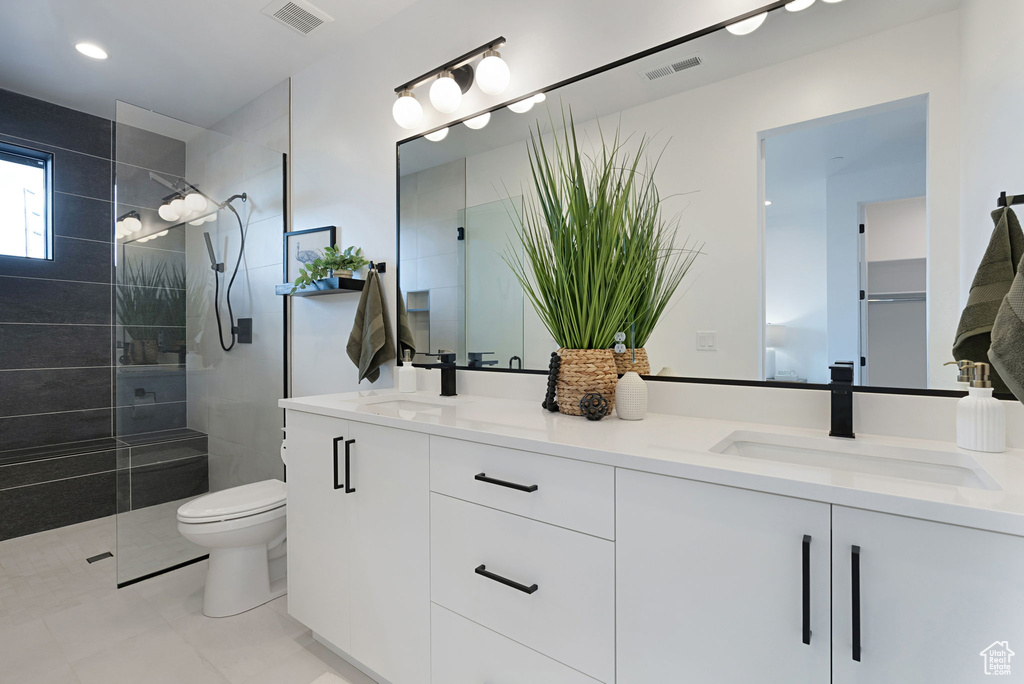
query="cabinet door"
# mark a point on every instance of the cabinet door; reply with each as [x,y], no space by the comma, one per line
[710,584]
[319,541]
[391,557]
[932,598]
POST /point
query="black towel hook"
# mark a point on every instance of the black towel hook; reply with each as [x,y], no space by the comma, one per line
[1009,200]
[379,267]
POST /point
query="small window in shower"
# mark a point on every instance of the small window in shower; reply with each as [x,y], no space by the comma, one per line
[25,202]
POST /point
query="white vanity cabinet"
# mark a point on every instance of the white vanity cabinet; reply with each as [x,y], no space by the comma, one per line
[932,597]
[358,545]
[711,584]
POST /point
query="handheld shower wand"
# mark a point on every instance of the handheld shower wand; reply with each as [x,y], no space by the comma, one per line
[213,257]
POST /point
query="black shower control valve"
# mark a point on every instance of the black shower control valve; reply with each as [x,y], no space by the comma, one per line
[243,331]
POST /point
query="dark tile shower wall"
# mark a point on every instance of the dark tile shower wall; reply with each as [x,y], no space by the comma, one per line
[60,403]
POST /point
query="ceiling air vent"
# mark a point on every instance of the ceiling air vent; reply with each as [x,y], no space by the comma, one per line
[297,14]
[671,68]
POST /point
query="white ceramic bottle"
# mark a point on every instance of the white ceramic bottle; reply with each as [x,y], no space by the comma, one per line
[631,397]
[406,374]
[980,417]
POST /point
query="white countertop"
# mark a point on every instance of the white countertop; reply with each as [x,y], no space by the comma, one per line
[680,447]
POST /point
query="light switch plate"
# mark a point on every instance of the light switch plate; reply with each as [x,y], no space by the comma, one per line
[707,340]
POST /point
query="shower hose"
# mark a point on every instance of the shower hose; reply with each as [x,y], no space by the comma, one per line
[227,295]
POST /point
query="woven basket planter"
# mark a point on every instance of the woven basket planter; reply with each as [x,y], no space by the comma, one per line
[624,362]
[584,371]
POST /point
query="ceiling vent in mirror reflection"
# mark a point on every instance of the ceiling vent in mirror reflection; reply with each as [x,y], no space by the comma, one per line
[671,68]
[298,15]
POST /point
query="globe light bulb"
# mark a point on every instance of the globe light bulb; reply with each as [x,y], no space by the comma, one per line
[211,218]
[742,28]
[522,106]
[407,110]
[492,74]
[167,212]
[195,201]
[178,205]
[131,224]
[197,222]
[478,122]
[445,93]
[437,136]
[539,97]
[798,5]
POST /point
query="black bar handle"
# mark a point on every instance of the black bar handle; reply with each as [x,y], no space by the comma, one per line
[482,477]
[482,570]
[807,589]
[855,594]
[348,459]
[336,485]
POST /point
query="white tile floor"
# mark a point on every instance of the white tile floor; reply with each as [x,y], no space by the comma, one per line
[63,621]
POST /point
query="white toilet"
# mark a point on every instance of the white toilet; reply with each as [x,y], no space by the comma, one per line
[244,530]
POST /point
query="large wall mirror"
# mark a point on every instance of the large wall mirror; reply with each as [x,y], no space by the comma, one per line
[824,161]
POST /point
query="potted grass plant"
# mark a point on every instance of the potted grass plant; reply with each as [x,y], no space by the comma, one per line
[586,246]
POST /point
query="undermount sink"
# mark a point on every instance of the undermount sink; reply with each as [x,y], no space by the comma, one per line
[922,465]
[391,405]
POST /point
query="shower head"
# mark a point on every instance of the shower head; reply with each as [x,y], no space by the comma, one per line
[213,257]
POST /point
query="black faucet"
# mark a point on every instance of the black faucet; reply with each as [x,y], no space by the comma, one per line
[842,399]
[447,366]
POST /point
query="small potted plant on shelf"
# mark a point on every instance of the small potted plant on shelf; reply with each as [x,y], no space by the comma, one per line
[333,262]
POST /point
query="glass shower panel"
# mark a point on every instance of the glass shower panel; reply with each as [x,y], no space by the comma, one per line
[494,299]
[191,417]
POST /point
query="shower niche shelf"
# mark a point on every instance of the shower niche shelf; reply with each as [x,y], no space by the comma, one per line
[323,287]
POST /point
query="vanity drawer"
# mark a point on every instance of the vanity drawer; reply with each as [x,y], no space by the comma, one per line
[572,494]
[463,652]
[569,616]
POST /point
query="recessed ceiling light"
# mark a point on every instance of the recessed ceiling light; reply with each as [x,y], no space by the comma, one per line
[91,50]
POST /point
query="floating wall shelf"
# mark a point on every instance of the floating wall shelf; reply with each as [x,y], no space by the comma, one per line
[326,286]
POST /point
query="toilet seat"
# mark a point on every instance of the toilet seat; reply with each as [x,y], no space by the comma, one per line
[238,502]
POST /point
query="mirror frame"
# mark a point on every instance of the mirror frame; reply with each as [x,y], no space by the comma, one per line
[770,7]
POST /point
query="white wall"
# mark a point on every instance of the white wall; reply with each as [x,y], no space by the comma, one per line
[795,292]
[897,229]
[232,396]
[993,101]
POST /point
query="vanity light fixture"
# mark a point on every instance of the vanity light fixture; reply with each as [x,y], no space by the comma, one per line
[450,81]
[522,106]
[798,5]
[742,28]
[492,74]
[91,50]
[478,122]
[167,212]
[437,136]
[407,110]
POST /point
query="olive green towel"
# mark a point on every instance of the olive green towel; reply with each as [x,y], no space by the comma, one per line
[1007,352]
[406,340]
[370,345]
[991,283]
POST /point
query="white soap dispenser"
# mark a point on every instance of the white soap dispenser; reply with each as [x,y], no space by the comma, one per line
[406,373]
[980,417]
